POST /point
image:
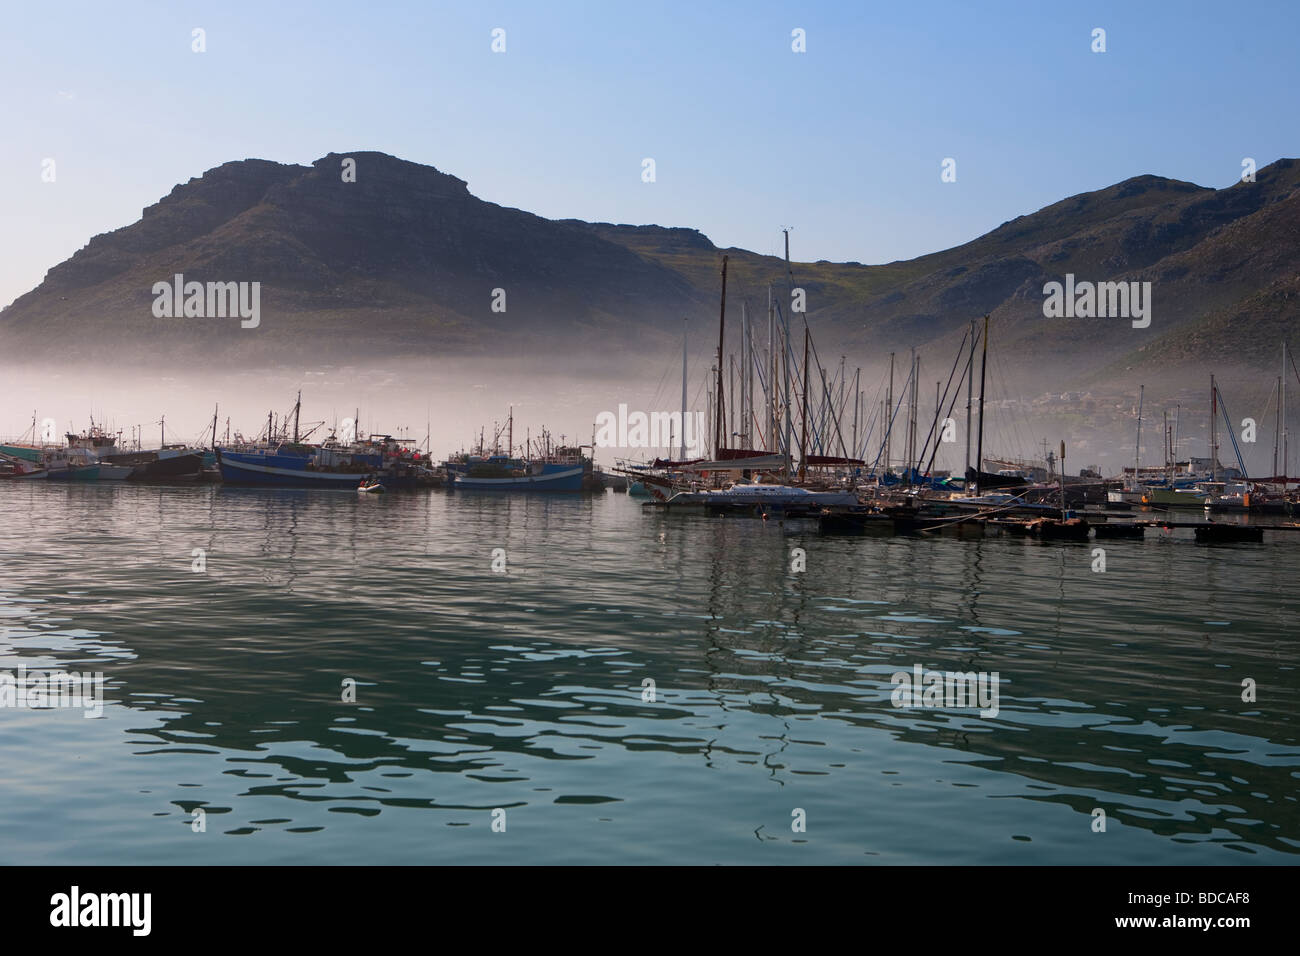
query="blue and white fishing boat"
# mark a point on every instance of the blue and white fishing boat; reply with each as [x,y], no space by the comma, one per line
[519,476]
[287,466]
[548,467]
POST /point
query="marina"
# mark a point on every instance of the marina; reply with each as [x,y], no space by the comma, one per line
[586,436]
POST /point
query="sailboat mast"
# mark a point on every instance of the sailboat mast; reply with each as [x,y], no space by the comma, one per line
[1137,445]
[731,388]
[970,385]
[719,404]
[979,445]
[682,454]
[889,421]
[1277,426]
[912,396]
[785,352]
[772,442]
[297,406]
[857,406]
[744,376]
[803,438]
[1213,431]
[786,412]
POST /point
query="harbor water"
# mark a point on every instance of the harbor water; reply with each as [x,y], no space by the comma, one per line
[431,678]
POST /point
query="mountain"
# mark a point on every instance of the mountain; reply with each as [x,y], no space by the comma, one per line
[406,261]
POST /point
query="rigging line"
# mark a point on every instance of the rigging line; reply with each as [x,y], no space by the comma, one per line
[869,428]
[961,351]
[889,429]
[1232,434]
[817,357]
[875,416]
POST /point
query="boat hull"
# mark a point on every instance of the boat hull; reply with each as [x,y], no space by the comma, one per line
[237,469]
[79,473]
[186,467]
[565,481]
[30,453]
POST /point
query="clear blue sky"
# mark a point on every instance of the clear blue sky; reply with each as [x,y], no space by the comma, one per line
[843,142]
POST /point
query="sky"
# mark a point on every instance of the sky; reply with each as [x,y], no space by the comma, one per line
[844,143]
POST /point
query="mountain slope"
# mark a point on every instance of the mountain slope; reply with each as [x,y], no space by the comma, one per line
[405,260]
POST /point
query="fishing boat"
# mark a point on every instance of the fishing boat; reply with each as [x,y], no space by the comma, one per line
[282,456]
[71,464]
[544,467]
[176,462]
[27,447]
[286,466]
[20,468]
[502,474]
[26,452]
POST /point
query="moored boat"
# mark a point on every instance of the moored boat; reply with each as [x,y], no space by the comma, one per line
[568,480]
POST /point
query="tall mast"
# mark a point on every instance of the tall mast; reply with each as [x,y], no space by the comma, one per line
[844,381]
[1137,445]
[784,335]
[970,385]
[889,420]
[785,352]
[682,454]
[857,405]
[1282,405]
[803,438]
[744,376]
[1277,425]
[510,433]
[1214,430]
[979,445]
[913,394]
[297,406]
[731,387]
[719,404]
[772,444]
[708,400]
[1167,441]
[214,426]
[934,429]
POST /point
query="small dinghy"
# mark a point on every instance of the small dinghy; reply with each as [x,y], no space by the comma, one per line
[370,486]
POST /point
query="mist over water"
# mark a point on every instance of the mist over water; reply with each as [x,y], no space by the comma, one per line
[449,400]
[452,398]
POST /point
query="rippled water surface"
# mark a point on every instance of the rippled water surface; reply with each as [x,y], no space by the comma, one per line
[525,691]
